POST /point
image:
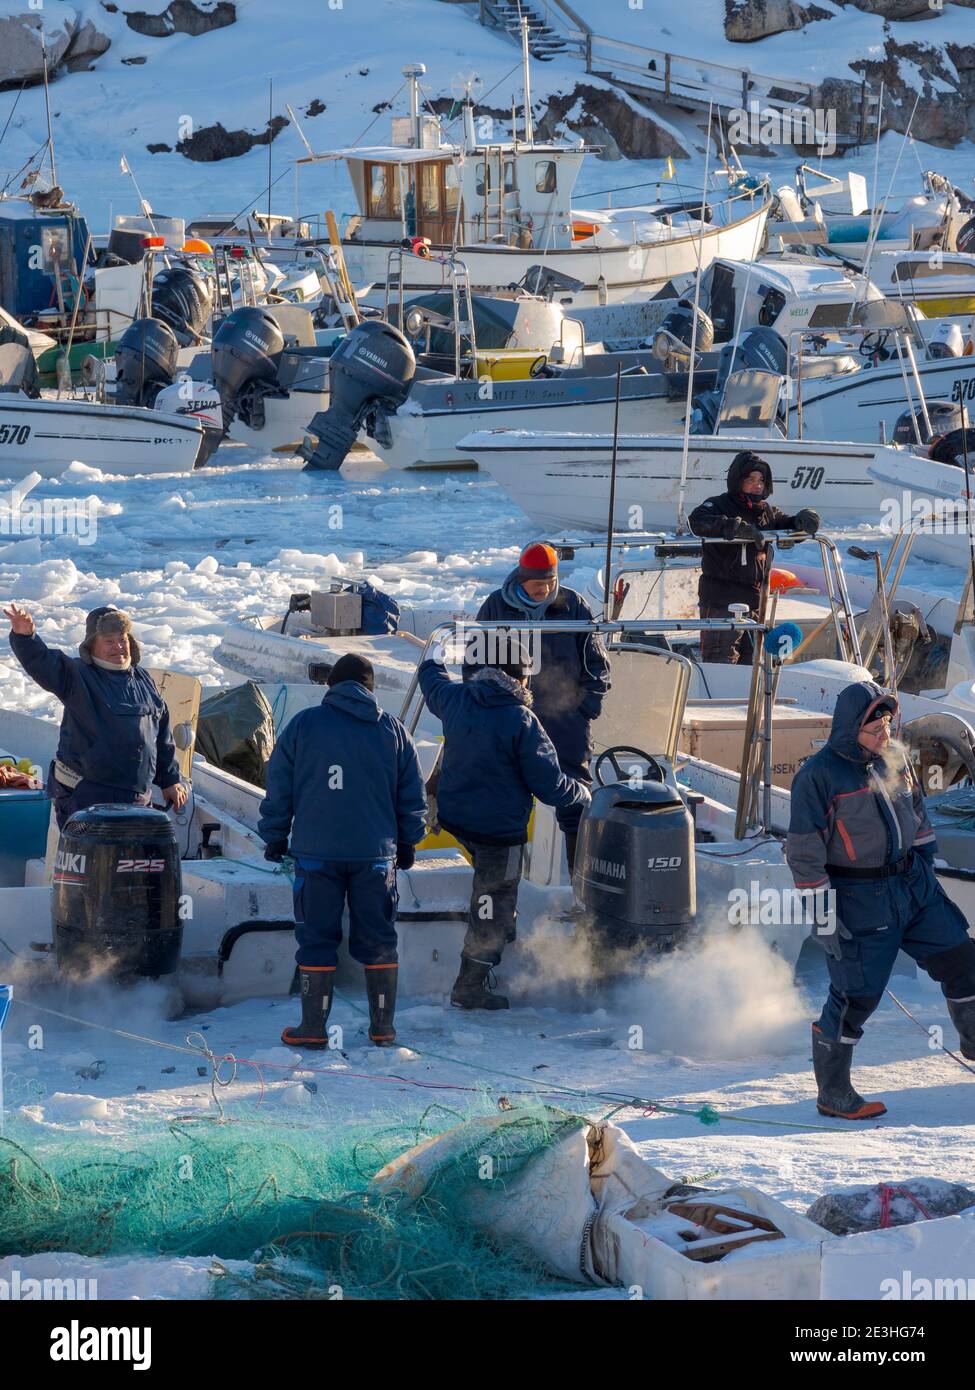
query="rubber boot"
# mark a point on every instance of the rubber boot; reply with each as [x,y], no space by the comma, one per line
[381,992]
[962,1013]
[474,985]
[831,1063]
[316,1005]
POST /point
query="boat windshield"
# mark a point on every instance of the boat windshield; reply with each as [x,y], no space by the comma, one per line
[751,399]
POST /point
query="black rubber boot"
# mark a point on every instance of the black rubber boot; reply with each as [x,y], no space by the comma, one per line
[474,985]
[316,1005]
[831,1063]
[962,1012]
[381,992]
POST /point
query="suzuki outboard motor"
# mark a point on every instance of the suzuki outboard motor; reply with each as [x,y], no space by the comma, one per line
[369,373]
[181,299]
[634,864]
[945,416]
[672,340]
[245,356]
[145,361]
[116,893]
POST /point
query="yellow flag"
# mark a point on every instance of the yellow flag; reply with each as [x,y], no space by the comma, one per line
[669,170]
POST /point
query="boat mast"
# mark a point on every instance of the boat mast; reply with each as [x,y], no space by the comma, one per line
[47,107]
[529,127]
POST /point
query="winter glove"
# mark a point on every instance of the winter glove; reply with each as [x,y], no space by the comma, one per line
[745,531]
[830,941]
[276,851]
[405,856]
[807,520]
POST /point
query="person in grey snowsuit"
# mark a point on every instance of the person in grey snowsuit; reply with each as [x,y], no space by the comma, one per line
[859,826]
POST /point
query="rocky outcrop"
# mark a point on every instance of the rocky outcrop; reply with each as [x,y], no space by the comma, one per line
[746,21]
[897,9]
[72,48]
[621,128]
[944,113]
[183,17]
[213,143]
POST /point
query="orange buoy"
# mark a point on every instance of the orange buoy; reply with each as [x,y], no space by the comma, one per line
[196,246]
[780,580]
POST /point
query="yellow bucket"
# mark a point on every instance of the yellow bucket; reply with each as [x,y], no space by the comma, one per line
[509,364]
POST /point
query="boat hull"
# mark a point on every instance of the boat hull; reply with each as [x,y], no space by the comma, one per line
[46,437]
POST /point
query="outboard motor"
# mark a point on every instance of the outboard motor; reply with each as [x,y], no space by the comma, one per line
[145,361]
[370,373]
[945,417]
[965,240]
[947,340]
[634,864]
[672,340]
[245,356]
[181,299]
[116,893]
[760,349]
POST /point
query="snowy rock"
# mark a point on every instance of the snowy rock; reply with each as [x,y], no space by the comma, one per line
[71,45]
[898,9]
[182,17]
[859,1208]
[212,143]
[745,21]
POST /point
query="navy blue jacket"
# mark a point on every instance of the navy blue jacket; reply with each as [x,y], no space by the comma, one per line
[573,675]
[496,757]
[344,781]
[115,727]
[850,808]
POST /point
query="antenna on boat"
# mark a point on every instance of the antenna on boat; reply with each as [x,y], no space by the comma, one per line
[270,146]
[890,188]
[607,577]
[529,126]
[47,108]
[681,516]
[413,72]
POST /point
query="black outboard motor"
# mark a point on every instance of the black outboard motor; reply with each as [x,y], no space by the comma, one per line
[370,373]
[945,417]
[634,865]
[146,356]
[965,241]
[760,349]
[116,898]
[673,337]
[245,356]
[181,299]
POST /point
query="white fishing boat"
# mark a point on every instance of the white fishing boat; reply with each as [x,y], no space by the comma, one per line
[44,436]
[506,208]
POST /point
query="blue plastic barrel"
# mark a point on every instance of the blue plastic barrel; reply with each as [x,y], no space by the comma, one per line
[24,817]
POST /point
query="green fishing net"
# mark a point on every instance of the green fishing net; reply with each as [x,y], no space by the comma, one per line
[291,1198]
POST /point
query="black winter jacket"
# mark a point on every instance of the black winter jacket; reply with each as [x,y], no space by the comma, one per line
[734,573]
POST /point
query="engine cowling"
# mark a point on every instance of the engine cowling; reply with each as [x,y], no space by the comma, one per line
[370,372]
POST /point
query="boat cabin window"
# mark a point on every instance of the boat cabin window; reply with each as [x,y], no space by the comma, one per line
[829,316]
[925,269]
[487,176]
[382,190]
[545,177]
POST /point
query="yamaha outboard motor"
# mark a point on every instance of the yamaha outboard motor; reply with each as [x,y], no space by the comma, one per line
[117,886]
[965,241]
[672,340]
[370,373]
[245,356]
[181,299]
[945,416]
[760,349]
[634,865]
[145,361]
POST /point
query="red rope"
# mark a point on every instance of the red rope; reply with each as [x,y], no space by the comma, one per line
[887,1194]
